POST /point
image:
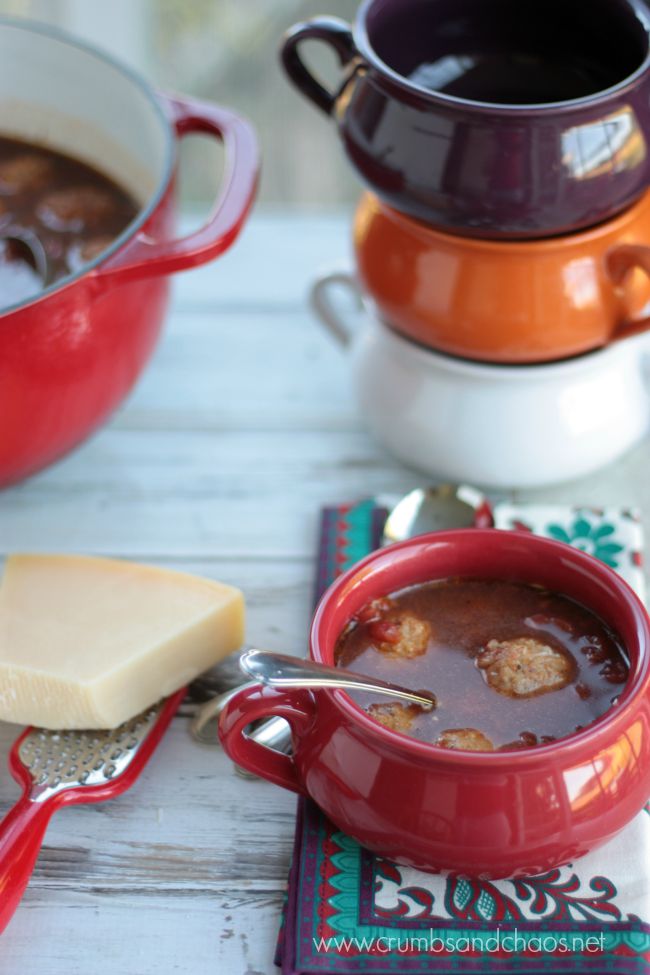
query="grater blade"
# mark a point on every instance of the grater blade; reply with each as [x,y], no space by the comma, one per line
[60,760]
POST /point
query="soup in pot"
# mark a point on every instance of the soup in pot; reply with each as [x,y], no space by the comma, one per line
[63,206]
[511,665]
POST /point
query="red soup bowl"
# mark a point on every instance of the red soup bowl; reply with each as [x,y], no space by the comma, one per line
[492,814]
[70,356]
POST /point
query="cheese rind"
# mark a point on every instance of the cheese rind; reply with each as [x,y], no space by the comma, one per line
[88,642]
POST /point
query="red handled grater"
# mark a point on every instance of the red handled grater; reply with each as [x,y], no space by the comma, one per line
[64,768]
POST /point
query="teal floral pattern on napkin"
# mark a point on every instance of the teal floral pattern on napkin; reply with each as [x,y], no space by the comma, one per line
[613,535]
[596,537]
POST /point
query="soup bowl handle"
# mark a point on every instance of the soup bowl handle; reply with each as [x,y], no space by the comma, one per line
[297,707]
[332,31]
[619,261]
[143,257]
[324,308]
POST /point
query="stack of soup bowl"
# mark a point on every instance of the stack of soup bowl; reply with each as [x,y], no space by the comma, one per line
[502,247]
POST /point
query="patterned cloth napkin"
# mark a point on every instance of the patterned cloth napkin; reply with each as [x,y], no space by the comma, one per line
[350,911]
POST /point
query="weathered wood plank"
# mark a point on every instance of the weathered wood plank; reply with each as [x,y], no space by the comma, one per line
[189,823]
[185,865]
[230,932]
[203,376]
[228,494]
[203,494]
[272,262]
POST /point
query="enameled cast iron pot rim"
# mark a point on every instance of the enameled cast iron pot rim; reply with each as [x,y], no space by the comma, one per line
[168,164]
[365,48]
[614,720]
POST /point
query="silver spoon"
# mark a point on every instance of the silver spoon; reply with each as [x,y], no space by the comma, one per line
[435,509]
[423,510]
[280,670]
[26,249]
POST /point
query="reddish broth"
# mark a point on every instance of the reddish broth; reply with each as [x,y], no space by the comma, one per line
[72,209]
[515,663]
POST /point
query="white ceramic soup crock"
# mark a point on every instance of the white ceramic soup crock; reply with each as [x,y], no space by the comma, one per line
[498,426]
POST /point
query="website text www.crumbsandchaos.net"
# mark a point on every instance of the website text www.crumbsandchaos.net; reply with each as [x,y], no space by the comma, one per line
[498,941]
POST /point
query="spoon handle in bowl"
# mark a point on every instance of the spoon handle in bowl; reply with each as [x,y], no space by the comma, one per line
[282,671]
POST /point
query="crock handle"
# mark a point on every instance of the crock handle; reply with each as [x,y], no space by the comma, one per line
[143,256]
[298,707]
[320,300]
[334,32]
[619,261]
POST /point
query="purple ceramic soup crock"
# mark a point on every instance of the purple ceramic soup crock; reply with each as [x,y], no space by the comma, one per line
[491,118]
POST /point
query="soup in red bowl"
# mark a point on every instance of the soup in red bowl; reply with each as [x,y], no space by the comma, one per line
[511,665]
[498,811]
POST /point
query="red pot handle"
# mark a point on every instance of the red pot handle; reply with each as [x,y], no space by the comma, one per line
[143,256]
[298,707]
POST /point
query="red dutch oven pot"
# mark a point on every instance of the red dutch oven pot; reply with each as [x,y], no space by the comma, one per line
[493,814]
[68,358]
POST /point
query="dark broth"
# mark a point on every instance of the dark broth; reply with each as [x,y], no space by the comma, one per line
[71,208]
[463,617]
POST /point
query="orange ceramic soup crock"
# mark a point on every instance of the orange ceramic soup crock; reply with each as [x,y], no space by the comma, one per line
[506,301]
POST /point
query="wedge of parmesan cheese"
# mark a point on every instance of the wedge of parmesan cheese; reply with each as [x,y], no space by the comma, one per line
[89,642]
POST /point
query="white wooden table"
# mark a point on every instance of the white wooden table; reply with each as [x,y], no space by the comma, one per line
[242,427]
